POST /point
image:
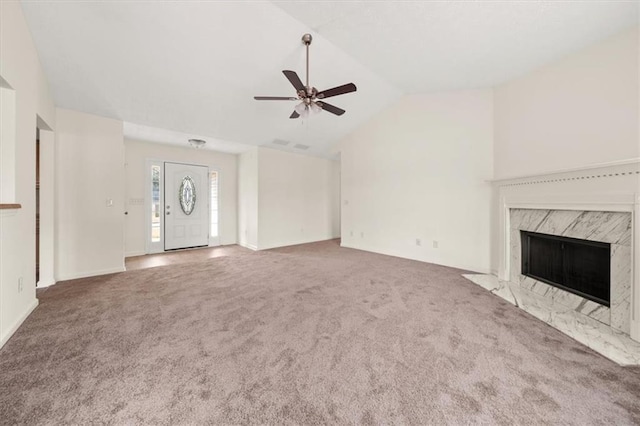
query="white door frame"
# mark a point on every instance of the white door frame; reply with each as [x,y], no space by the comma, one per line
[158,246]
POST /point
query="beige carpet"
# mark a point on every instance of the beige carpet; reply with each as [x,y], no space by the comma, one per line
[311,334]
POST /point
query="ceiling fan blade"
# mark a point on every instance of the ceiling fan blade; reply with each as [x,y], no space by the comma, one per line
[294,79]
[294,114]
[330,108]
[274,98]
[340,90]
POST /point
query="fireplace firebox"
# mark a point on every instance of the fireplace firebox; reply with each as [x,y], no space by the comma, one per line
[578,266]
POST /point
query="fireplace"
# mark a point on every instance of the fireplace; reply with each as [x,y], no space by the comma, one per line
[578,277]
[599,204]
[573,270]
[575,265]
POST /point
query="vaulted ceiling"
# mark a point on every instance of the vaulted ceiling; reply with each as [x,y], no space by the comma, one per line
[173,69]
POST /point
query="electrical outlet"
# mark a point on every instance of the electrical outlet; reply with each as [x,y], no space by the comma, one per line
[435,244]
[20,285]
[418,242]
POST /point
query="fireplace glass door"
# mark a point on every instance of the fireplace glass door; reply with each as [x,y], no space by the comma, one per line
[579,266]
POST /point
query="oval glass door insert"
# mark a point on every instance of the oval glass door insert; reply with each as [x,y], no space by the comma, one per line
[187,195]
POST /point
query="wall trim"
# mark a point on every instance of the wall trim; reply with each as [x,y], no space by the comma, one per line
[135,253]
[508,181]
[45,283]
[635,269]
[469,268]
[87,274]
[18,322]
[249,246]
[9,206]
[296,243]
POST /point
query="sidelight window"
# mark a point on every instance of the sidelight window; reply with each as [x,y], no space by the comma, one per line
[214,205]
[155,204]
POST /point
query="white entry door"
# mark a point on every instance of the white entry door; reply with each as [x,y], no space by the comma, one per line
[186,220]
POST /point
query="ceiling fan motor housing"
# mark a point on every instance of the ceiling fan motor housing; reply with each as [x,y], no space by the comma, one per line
[311,92]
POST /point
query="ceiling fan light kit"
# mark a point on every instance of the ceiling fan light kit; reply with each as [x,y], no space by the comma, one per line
[308,95]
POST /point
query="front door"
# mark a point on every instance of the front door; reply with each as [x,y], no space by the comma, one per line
[186,210]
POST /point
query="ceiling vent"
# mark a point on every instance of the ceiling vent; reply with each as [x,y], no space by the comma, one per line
[300,146]
[280,142]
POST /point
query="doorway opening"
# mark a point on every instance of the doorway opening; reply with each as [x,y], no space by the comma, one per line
[44,204]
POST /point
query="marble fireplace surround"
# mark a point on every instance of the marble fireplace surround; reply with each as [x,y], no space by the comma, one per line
[614,333]
[607,227]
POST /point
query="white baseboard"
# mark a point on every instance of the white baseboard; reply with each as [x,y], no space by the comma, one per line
[249,246]
[45,283]
[4,339]
[135,253]
[86,274]
[481,270]
[297,243]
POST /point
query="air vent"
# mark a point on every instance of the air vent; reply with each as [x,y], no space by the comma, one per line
[300,146]
[280,142]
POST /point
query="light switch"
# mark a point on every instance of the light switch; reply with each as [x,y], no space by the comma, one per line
[109,202]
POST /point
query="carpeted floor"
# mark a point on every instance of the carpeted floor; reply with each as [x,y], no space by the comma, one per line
[303,335]
[182,256]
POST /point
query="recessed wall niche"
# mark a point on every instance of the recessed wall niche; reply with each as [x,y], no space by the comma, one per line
[7,143]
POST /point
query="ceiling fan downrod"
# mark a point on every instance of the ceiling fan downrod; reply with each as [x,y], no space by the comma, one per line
[306,40]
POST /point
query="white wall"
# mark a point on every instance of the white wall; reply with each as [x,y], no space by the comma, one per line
[336,166]
[295,201]
[578,111]
[418,170]
[136,154]
[89,172]
[248,199]
[21,69]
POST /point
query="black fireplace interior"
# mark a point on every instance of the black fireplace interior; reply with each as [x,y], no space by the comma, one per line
[579,266]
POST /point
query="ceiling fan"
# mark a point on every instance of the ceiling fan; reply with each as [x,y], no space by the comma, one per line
[311,100]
